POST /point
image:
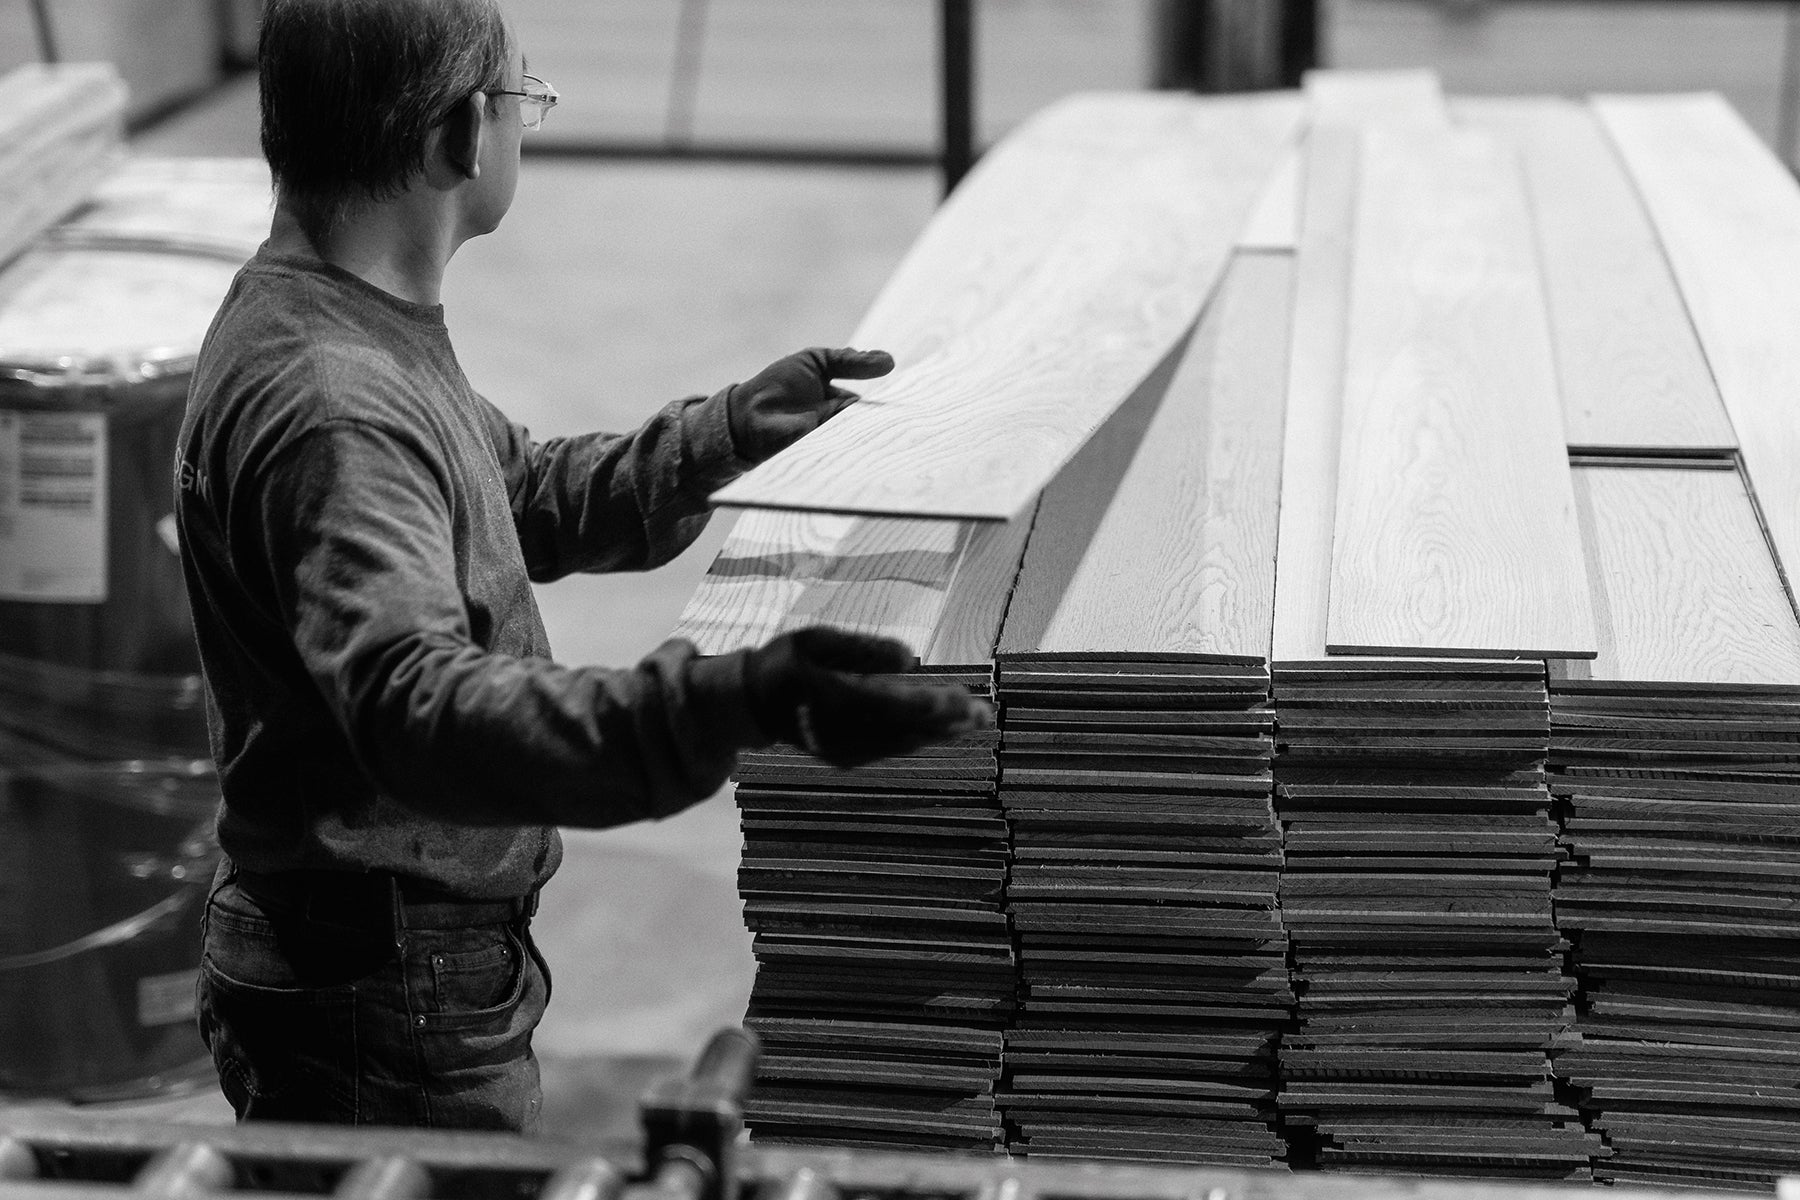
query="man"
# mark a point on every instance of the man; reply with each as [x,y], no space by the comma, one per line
[359,531]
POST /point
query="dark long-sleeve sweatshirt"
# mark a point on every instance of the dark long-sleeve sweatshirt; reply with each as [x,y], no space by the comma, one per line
[359,531]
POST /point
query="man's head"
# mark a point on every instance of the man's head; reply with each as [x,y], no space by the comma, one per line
[355,92]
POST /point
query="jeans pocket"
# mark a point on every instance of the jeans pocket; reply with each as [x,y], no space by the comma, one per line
[477,978]
[282,1053]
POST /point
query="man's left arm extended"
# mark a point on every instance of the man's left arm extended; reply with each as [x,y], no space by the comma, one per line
[612,502]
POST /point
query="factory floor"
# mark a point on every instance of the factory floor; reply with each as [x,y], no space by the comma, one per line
[613,287]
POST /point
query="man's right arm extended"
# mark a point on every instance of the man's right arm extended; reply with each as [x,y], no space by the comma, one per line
[356,548]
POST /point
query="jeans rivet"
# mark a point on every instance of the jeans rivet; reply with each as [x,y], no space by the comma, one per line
[419,1020]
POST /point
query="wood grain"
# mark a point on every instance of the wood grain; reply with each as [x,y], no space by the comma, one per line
[975,604]
[1455,531]
[939,586]
[61,132]
[1684,577]
[976,430]
[1412,98]
[1183,561]
[1021,196]
[1628,361]
[1073,507]
[1309,459]
[887,577]
[1728,215]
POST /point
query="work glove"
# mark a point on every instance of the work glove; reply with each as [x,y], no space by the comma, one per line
[793,396]
[842,697]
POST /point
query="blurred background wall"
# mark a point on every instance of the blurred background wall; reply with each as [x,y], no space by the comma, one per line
[863,74]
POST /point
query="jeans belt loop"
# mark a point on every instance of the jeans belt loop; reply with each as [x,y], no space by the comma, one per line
[396,912]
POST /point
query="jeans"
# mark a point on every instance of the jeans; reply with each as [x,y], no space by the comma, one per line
[323,1023]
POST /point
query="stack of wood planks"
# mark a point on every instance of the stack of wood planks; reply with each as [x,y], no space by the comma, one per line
[1411,785]
[1399,677]
[62,129]
[884,964]
[1418,898]
[1678,762]
[1135,765]
[1028,231]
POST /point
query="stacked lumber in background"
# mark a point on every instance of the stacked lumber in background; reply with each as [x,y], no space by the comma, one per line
[1678,763]
[1133,681]
[62,130]
[1528,633]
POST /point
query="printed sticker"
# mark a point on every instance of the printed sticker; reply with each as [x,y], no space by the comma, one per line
[53,507]
[166,999]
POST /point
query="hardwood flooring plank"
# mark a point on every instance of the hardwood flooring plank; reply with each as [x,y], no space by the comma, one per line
[1631,372]
[1455,530]
[990,233]
[1412,98]
[1728,214]
[1275,221]
[1686,581]
[1075,504]
[975,605]
[778,570]
[1309,462]
[1183,561]
[889,577]
[976,430]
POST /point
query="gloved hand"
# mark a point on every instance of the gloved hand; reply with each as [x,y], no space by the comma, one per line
[835,694]
[792,396]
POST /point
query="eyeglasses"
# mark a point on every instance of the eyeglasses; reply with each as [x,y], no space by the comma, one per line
[537,99]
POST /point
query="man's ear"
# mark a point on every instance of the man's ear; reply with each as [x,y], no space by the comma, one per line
[460,136]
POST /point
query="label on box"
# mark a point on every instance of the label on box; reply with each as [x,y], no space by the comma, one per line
[53,507]
[167,999]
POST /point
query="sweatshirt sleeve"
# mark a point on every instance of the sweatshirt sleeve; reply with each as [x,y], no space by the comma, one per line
[616,502]
[357,534]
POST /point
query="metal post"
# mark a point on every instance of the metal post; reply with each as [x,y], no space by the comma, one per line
[1299,40]
[40,14]
[957,68]
[1180,45]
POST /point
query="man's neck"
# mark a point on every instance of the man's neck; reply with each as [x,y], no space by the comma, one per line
[399,246]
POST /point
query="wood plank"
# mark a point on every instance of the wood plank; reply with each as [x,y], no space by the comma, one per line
[1455,531]
[1627,357]
[1411,98]
[1023,195]
[975,605]
[1685,587]
[1275,221]
[886,577]
[1309,460]
[976,430]
[779,570]
[1183,560]
[1728,214]
[1072,508]
[61,132]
